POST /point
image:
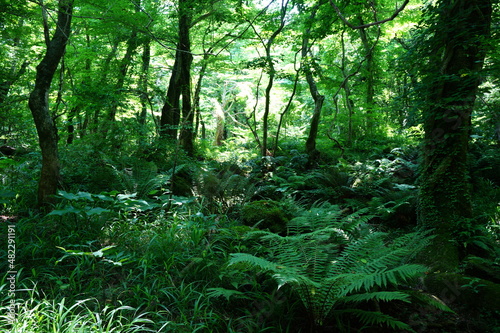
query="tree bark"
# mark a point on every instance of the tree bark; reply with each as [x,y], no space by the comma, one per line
[39,104]
[368,73]
[197,91]
[445,198]
[180,85]
[272,74]
[170,113]
[143,81]
[186,135]
[313,89]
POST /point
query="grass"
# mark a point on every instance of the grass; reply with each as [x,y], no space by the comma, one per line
[85,316]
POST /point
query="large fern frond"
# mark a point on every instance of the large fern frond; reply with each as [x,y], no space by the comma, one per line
[372,318]
[328,265]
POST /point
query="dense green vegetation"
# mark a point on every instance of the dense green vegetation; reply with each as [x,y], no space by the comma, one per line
[249,166]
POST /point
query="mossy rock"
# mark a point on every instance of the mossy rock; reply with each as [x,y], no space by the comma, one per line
[265,214]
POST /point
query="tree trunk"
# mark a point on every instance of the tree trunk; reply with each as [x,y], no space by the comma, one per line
[186,136]
[132,44]
[197,91]
[170,113]
[272,74]
[368,73]
[313,89]
[143,81]
[102,82]
[180,85]
[39,104]
[445,198]
[220,119]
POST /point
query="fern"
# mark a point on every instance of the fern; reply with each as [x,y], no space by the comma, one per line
[141,178]
[331,266]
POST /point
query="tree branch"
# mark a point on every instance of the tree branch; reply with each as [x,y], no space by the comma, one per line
[350,25]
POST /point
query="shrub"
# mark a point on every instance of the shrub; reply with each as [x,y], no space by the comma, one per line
[266,214]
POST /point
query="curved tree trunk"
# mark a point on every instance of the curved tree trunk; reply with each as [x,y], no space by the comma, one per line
[313,89]
[445,198]
[39,104]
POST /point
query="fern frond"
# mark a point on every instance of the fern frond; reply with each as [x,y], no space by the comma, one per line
[385,296]
[358,252]
[429,299]
[372,318]
[251,261]
[366,281]
[331,259]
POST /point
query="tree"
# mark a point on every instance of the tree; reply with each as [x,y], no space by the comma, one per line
[455,59]
[180,85]
[313,88]
[39,103]
[270,67]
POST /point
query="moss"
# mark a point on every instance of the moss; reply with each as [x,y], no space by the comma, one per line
[441,254]
[266,214]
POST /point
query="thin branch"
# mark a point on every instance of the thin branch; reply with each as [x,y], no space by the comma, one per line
[350,25]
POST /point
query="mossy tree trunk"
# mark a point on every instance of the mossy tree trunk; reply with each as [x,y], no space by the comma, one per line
[458,55]
[39,104]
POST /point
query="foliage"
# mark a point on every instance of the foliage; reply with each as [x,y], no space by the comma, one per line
[265,214]
[332,266]
[47,316]
[140,235]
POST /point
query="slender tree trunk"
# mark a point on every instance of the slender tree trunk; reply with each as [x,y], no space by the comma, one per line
[286,109]
[143,84]
[313,89]
[132,45]
[73,113]
[102,82]
[347,93]
[253,127]
[267,105]
[445,198]
[197,91]
[272,74]
[39,104]
[368,73]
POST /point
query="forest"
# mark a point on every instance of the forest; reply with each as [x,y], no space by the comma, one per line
[249,166]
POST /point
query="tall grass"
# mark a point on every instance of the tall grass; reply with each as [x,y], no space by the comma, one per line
[85,316]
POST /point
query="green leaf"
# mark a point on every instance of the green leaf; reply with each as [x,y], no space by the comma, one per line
[78,196]
[66,210]
[100,253]
[96,211]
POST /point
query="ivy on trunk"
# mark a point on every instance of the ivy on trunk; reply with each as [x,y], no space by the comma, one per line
[457,60]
